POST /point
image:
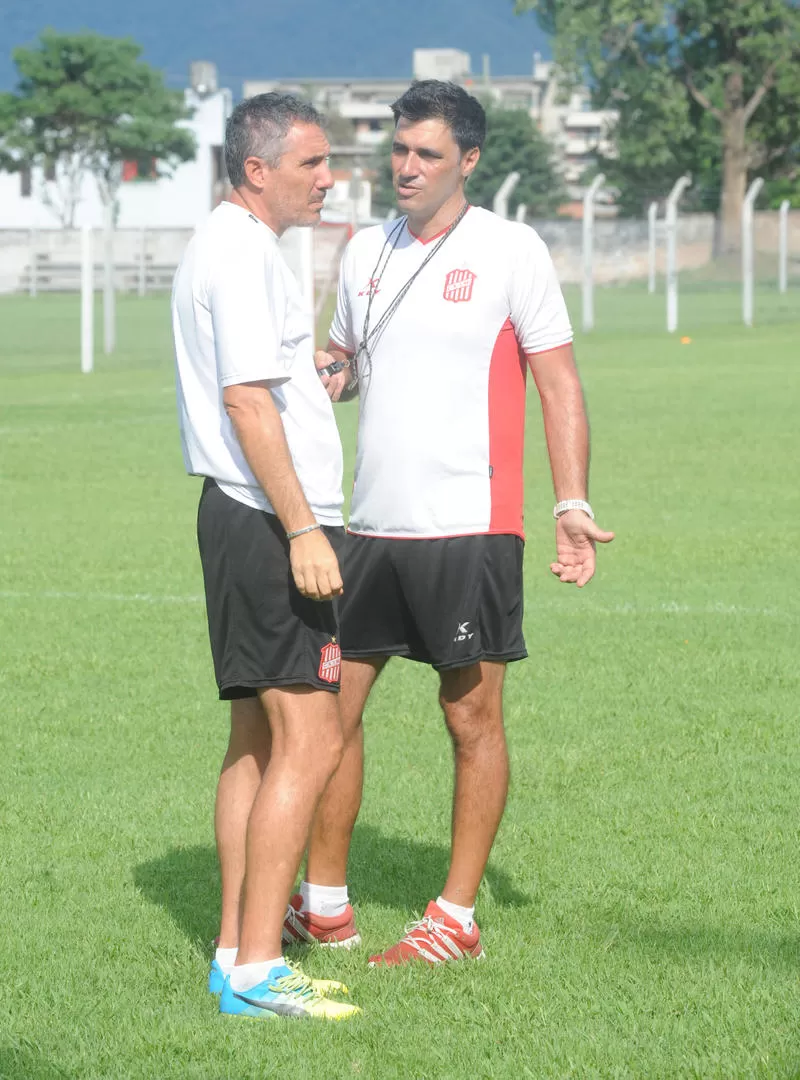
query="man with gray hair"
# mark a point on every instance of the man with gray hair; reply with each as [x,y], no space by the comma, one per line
[256,422]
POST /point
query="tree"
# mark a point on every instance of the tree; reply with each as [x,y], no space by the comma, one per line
[85,104]
[513,143]
[659,137]
[787,187]
[339,129]
[380,172]
[697,74]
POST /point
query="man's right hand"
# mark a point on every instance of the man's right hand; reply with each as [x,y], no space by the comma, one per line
[315,568]
[576,536]
[334,384]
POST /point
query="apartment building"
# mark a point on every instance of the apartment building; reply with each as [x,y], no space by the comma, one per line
[362,106]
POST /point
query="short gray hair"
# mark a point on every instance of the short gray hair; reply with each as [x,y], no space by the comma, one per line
[257,128]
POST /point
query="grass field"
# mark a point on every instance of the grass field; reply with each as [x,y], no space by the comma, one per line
[641,912]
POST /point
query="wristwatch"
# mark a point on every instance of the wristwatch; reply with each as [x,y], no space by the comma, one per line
[572,504]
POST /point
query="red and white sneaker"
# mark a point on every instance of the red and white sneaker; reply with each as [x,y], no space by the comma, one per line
[435,939]
[338,932]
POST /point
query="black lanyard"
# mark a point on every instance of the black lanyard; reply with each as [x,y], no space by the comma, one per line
[370,337]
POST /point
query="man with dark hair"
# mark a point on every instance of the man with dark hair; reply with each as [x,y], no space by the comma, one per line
[438,317]
[257,424]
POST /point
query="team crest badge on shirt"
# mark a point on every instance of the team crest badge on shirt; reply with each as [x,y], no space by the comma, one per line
[458,285]
[330,662]
[371,288]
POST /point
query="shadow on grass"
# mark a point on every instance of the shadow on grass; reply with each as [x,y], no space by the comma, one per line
[23,1061]
[391,871]
[704,941]
[400,873]
[185,882]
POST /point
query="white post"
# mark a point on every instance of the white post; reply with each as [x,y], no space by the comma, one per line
[500,201]
[522,210]
[109,315]
[671,220]
[87,301]
[33,283]
[142,262]
[305,276]
[652,217]
[355,194]
[588,250]
[783,246]
[747,250]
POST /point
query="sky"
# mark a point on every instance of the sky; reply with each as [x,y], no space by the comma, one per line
[262,40]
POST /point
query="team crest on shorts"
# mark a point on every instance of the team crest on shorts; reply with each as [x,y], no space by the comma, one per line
[458,285]
[330,662]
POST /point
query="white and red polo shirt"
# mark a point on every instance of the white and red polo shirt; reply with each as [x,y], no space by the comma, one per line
[442,400]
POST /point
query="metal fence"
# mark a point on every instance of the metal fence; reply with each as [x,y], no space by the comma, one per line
[37,261]
[661,271]
[666,270]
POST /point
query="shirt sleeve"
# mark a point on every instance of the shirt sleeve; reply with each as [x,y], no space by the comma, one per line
[247,304]
[341,332]
[538,311]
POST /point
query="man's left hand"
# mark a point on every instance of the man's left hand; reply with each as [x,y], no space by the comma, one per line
[576,536]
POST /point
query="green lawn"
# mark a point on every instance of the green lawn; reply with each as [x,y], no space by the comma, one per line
[641,912]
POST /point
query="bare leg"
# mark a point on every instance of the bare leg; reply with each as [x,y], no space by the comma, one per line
[242,770]
[306,749]
[338,809]
[472,699]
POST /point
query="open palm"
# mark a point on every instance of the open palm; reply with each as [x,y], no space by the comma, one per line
[576,536]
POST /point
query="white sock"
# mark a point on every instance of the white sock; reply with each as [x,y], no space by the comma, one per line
[226,958]
[326,900]
[246,976]
[463,915]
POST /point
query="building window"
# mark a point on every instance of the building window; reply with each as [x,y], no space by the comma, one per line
[139,170]
[25,183]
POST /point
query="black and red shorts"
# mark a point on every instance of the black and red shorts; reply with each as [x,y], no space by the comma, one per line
[263,632]
[447,602]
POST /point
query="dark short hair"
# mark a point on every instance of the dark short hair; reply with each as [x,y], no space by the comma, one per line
[432,99]
[257,128]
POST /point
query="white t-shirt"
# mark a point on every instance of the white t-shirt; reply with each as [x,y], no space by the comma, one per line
[442,405]
[238,316]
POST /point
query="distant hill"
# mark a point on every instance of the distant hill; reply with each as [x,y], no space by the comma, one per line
[248,39]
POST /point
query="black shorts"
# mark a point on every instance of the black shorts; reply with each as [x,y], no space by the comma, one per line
[449,602]
[263,632]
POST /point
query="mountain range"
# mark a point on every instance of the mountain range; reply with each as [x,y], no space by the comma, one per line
[262,40]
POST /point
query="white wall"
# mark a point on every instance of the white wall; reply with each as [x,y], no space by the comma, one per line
[181,200]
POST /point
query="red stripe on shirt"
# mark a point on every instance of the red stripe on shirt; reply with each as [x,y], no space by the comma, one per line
[507,374]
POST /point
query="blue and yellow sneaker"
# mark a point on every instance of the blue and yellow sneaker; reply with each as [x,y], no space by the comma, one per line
[324,987]
[287,992]
[216,978]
